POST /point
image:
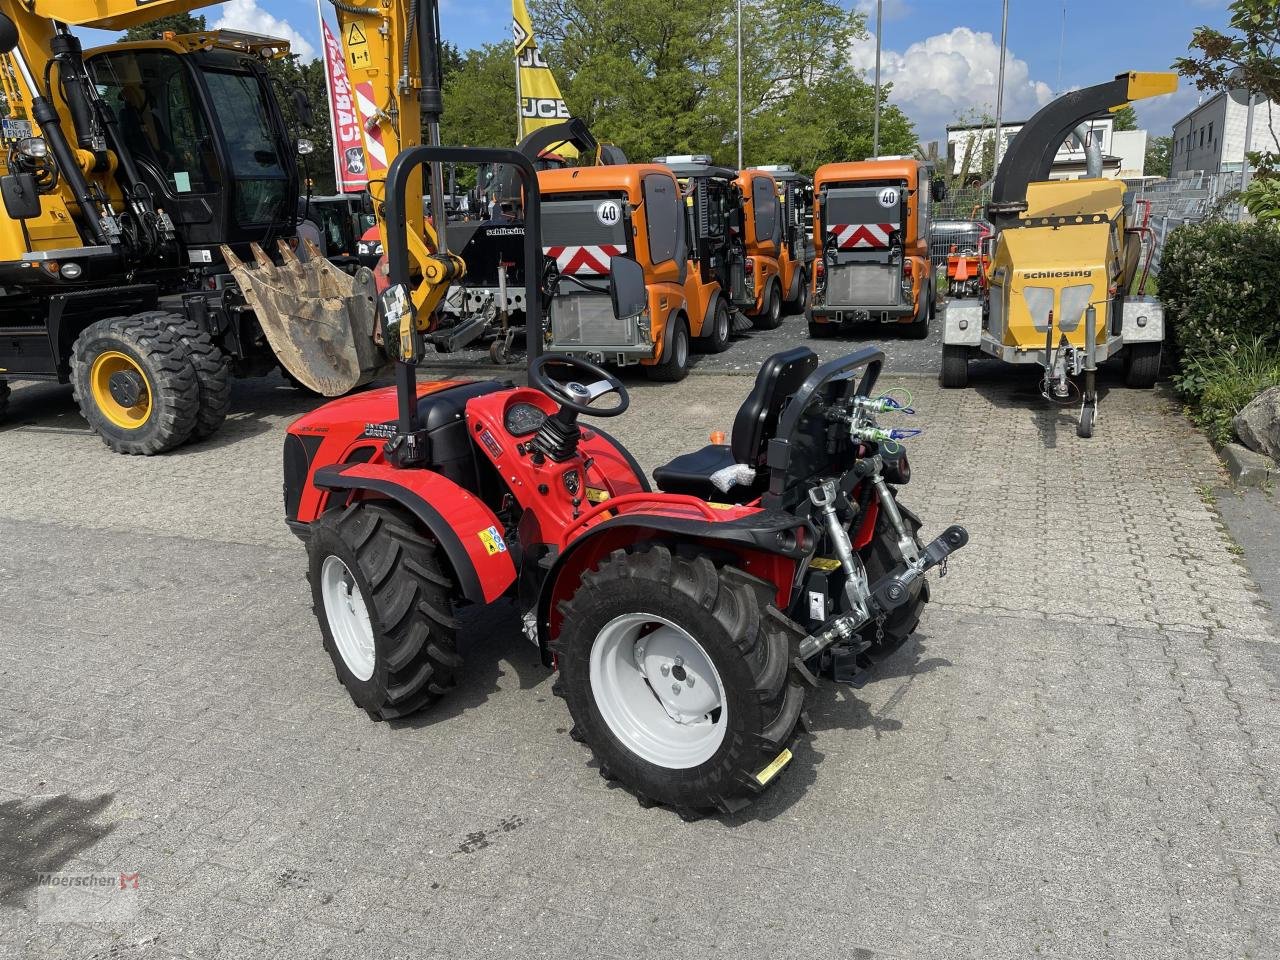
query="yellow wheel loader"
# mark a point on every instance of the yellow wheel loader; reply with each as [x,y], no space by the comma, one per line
[148,190]
[1064,259]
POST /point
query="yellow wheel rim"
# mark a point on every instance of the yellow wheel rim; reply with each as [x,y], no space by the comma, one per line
[116,406]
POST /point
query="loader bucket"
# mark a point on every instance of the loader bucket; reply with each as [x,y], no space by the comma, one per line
[320,321]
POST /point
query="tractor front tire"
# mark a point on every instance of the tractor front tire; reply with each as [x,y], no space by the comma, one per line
[135,384]
[770,317]
[955,366]
[385,609]
[674,365]
[697,724]
[212,367]
[1142,365]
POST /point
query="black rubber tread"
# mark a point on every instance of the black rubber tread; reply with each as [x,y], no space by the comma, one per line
[1142,365]
[770,318]
[879,557]
[1084,428]
[669,370]
[4,399]
[175,391]
[802,299]
[212,367]
[918,328]
[731,614]
[955,366]
[410,601]
[713,342]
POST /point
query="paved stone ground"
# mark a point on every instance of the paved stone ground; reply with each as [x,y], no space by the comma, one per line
[1077,756]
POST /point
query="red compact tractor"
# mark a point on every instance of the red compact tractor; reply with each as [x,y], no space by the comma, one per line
[686,622]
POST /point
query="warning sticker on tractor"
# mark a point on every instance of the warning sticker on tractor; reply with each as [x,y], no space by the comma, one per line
[596,495]
[824,563]
[492,540]
[609,213]
[889,197]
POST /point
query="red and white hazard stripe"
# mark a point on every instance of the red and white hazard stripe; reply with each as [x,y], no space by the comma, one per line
[862,236]
[374,148]
[592,259]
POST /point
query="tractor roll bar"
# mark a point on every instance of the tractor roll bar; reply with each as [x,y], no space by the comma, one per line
[406,163]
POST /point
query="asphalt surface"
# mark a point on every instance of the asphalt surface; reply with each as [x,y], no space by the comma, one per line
[1076,755]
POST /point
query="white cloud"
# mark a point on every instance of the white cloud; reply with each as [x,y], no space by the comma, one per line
[248,16]
[941,77]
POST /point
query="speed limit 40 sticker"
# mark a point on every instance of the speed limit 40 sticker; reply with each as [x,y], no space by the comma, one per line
[609,212]
[889,197]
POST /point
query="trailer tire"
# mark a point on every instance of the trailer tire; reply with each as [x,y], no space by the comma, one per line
[955,366]
[770,318]
[747,698]
[674,365]
[135,384]
[212,367]
[384,604]
[1142,365]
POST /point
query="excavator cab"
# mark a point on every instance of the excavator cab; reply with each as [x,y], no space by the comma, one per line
[206,134]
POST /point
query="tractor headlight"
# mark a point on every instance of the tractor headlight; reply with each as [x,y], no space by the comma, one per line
[33,148]
[1075,301]
[305,147]
[1039,301]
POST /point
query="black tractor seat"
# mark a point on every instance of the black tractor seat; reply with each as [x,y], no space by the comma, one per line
[757,421]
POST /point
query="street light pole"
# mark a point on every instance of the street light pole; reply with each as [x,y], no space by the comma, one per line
[739,84]
[1004,33]
[875,129]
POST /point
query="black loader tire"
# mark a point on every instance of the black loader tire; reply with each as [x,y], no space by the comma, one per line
[674,365]
[212,367]
[4,399]
[171,384]
[879,557]
[717,338]
[730,613]
[1141,365]
[955,366]
[770,318]
[408,596]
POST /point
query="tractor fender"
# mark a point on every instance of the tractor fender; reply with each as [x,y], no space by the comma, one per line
[467,530]
[764,542]
[708,318]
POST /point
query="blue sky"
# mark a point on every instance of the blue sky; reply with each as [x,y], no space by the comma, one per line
[941,55]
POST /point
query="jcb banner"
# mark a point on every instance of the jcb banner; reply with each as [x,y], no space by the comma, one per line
[540,101]
[348,152]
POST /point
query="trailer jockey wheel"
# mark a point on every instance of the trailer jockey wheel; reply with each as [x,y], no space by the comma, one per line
[574,396]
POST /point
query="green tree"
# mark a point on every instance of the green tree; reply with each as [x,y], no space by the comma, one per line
[1158,157]
[1244,57]
[1125,118]
[480,98]
[177,22]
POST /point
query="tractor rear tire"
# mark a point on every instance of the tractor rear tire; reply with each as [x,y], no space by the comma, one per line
[879,557]
[674,365]
[135,384]
[717,339]
[770,318]
[955,366]
[212,367]
[628,660]
[4,399]
[1142,365]
[385,609]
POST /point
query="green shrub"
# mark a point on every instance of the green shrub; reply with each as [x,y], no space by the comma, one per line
[1217,385]
[1220,284]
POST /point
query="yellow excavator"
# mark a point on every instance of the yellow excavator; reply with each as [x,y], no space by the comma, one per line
[1057,289]
[149,190]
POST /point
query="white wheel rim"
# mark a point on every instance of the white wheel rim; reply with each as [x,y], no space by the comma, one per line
[722,325]
[348,617]
[658,691]
[682,348]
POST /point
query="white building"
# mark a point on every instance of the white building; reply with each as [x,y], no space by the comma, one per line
[1211,137]
[1123,151]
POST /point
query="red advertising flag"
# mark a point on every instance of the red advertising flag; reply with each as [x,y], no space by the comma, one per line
[348,151]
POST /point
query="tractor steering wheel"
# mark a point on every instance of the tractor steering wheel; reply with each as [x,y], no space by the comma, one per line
[573,395]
